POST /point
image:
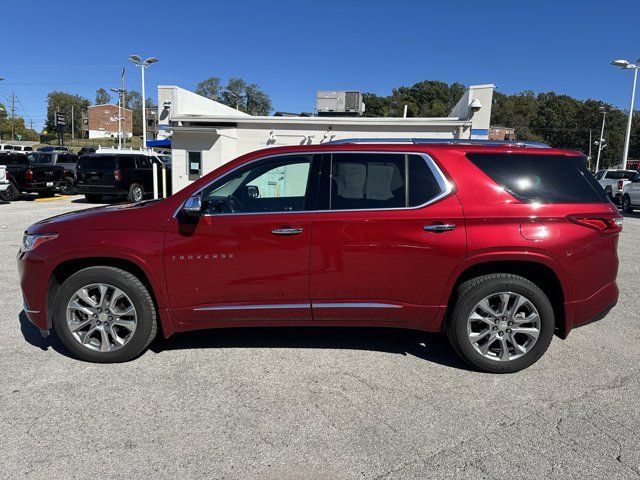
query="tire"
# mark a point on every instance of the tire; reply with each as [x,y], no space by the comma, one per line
[626,204]
[10,194]
[136,294]
[68,188]
[471,293]
[92,197]
[136,193]
[47,194]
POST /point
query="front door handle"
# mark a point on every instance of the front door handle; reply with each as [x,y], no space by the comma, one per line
[440,227]
[287,231]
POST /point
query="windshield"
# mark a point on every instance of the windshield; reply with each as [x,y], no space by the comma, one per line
[40,158]
[621,174]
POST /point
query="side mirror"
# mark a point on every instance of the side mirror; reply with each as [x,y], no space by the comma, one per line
[193,206]
[253,191]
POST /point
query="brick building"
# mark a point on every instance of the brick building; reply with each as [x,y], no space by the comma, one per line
[498,132]
[102,121]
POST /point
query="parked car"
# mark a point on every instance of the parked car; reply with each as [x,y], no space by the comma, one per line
[494,245]
[631,194]
[22,148]
[25,177]
[67,160]
[4,182]
[53,148]
[613,182]
[124,174]
[86,151]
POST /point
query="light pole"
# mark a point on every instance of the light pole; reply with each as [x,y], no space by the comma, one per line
[138,62]
[119,91]
[2,110]
[628,66]
[603,110]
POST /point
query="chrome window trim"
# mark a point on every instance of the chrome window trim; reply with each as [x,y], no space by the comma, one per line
[446,187]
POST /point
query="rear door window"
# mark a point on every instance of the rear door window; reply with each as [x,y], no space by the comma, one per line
[541,178]
[364,181]
[126,162]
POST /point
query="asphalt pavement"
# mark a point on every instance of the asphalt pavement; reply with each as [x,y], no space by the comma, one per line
[316,403]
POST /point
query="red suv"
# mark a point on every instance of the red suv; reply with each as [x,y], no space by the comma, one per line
[498,246]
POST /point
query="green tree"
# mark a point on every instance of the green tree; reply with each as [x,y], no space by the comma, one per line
[102,97]
[376,106]
[66,102]
[133,101]
[256,101]
[209,88]
[17,125]
[233,94]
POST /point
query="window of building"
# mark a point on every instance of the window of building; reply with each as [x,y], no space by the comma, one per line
[194,165]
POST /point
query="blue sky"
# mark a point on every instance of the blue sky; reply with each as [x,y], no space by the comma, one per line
[293,48]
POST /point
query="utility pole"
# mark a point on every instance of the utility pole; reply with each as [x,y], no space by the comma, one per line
[73,135]
[604,117]
[13,110]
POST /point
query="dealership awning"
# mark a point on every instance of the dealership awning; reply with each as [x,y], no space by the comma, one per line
[164,143]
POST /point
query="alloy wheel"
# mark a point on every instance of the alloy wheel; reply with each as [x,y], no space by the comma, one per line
[101,317]
[503,326]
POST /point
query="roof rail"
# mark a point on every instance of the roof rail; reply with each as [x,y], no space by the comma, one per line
[441,141]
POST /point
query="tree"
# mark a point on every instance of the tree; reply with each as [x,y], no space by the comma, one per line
[63,102]
[233,94]
[102,97]
[209,88]
[17,125]
[133,101]
[256,101]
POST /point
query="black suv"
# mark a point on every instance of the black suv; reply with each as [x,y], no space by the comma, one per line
[30,178]
[67,160]
[127,175]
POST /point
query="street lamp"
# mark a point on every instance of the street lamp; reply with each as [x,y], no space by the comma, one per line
[628,66]
[602,110]
[138,62]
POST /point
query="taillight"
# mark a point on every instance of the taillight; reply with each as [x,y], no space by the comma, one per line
[605,224]
[118,175]
[28,175]
[619,184]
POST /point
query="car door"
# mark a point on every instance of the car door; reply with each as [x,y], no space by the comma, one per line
[247,256]
[634,190]
[387,242]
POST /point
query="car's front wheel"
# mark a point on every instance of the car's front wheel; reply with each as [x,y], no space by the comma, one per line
[136,193]
[626,204]
[104,314]
[501,323]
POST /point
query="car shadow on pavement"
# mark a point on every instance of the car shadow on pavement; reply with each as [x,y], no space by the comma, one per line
[432,347]
[32,335]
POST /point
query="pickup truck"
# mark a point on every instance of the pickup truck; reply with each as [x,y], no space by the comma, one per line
[613,182]
[28,178]
[66,160]
[4,183]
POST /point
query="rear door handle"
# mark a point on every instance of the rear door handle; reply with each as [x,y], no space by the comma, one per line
[287,231]
[440,227]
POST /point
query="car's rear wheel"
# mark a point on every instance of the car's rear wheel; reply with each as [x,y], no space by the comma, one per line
[104,314]
[92,198]
[501,323]
[626,204]
[136,193]
[68,188]
[10,193]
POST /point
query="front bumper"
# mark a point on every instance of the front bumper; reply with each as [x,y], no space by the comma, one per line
[33,281]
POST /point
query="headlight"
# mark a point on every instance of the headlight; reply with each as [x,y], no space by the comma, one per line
[30,242]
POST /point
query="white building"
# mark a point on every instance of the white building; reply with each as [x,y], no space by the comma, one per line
[205,134]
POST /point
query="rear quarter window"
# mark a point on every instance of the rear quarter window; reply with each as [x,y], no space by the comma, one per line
[541,178]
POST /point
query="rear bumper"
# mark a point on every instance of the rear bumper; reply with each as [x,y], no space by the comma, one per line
[591,309]
[42,186]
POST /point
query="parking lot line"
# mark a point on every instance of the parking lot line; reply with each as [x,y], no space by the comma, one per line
[52,199]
